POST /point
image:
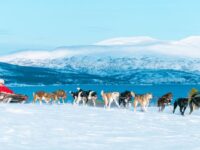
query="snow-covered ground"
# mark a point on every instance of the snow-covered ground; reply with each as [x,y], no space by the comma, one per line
[57,127]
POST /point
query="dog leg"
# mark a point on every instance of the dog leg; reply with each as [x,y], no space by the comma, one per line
[63,101]
[142,108]
[175,105]
[34,99]
[116,103]
[145,108]
[183,110]
[94,102]
[110,102]
[162,107]
[105,102]
[120,101]
[124,103]
[84,101]
[78,100]
[75,100]
[191,107]
[159,109]
[59,101]
[135,105]
[40,100]
[54,101]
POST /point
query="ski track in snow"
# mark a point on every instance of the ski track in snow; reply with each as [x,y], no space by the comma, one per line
[57,127]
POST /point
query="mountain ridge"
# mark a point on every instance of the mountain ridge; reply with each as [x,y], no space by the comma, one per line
[143,62]
[25,75]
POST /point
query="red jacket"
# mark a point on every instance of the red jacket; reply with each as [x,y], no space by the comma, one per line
[4,89]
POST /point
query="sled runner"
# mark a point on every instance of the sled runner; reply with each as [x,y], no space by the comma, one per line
[12,98]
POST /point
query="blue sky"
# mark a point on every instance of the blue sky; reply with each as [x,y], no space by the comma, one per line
[46,24]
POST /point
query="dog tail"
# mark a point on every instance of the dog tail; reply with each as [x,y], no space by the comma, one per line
[79,94]
[90,93]
[132,94]
[102,92]
[193,105]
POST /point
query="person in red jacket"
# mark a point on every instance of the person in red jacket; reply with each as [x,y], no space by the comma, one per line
[4,89]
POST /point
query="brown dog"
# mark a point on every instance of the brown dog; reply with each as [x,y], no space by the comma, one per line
[164,100]
[41,95]
[143,100]
[60,94]
[48,97]
[109,98]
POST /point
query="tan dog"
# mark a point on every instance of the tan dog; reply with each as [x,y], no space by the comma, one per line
[60,94]
[41,95]
[48,97]
[109,98]
[143,100]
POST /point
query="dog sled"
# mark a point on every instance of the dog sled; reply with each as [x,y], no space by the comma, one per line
[12,98]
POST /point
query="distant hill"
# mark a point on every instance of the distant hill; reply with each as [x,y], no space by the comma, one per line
[14,74]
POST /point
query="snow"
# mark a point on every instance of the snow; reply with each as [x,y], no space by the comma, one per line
[40,55]
[98,63]
[123,46]
[191,40]
[50,127]
[128,41]
[187,47]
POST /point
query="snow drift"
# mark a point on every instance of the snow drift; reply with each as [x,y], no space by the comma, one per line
[67,127]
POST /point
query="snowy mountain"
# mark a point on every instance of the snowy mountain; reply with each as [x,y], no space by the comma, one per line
[138,60]
[141,40]
[16,75]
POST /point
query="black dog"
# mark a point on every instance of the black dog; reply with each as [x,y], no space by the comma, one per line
[194,102]
[182,103]
[125,98]
[86,96]
[83,94]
